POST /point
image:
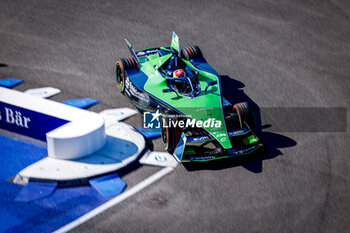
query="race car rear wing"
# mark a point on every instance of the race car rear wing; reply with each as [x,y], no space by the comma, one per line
[175,42]
[175,45]
[131,49]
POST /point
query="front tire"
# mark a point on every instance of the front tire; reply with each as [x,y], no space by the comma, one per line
[170,135]
[245,114]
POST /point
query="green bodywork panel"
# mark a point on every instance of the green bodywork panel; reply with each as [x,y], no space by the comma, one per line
[250,139]
[205,106]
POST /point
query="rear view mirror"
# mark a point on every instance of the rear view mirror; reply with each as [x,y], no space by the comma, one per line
[210,84]
[168,90]
[171,90]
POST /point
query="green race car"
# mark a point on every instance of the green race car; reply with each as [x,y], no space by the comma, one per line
[180,93]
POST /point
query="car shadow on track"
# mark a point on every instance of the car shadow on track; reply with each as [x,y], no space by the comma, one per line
[3,65]
[233,92]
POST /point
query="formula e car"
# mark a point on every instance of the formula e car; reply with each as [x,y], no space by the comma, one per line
[197,123]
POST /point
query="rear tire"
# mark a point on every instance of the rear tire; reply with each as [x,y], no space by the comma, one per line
[244,115]
[189,53]
[170,135]
[120,67]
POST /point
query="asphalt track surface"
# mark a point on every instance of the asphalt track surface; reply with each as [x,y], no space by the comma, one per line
[275,54]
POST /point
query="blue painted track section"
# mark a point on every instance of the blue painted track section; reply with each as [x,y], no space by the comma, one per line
[10,82]
[81,103]
[43,215]
[150,133]
[108,186]
[36,190]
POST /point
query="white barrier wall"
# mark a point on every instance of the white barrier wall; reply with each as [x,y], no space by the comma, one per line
[87,135]
[70,132]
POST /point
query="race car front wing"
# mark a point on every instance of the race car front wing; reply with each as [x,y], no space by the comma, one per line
[243,141]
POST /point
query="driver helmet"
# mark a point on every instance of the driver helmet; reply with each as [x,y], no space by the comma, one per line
[178,73]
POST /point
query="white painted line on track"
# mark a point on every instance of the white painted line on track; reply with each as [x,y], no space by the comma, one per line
[143,184]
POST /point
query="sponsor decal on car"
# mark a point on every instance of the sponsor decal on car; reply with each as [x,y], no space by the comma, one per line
[141,53]
[237,132]
[203,157]
[131,90]
[198,139]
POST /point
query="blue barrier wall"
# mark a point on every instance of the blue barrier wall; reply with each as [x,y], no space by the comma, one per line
[27,122]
